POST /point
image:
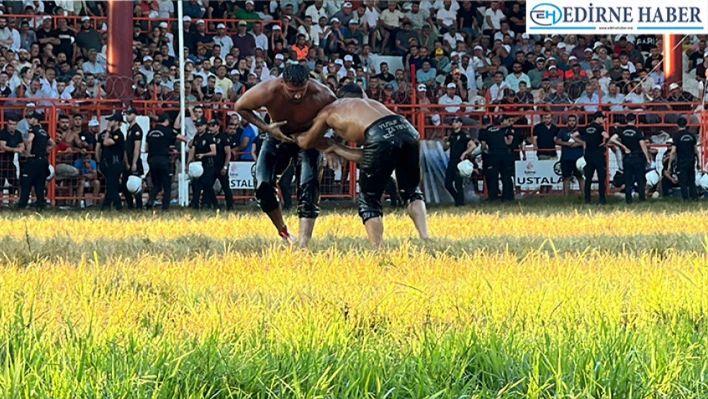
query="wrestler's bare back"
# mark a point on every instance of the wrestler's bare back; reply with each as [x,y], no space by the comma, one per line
[271,96]
[350,117]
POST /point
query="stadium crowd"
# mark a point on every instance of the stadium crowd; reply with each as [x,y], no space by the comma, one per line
[468,56]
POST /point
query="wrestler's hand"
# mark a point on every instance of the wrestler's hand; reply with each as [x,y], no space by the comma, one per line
[275,132]
[332,161]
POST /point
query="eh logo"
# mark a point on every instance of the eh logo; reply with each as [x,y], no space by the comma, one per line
[546,14]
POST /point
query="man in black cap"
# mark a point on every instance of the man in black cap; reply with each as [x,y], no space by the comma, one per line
[203,149]
[157,145]
[460,146]
[497,142]
[133,162]
[11,143]
[594,139]
[110,153]
[221,161]
[636,157]
[35,170]
[685,151]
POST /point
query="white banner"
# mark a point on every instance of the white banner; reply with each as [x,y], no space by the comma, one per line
[531,175]
[680,17]
[241,175]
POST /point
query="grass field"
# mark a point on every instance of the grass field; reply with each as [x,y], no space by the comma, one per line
[534,300]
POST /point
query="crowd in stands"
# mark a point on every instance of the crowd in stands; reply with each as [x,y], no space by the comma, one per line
[468,56]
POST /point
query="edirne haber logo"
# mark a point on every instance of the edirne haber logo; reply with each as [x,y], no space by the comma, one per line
[617,16]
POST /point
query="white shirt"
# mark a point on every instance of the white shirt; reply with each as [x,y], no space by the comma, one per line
[261,41]
[452,41]
[617,102]
[446,100]
[315,33]
[18,40]
[448,17]
[165,7]
[96,68]
[316,14]
[392,18]
[170,45]
[303,30]
[371,17]
[496,92]
[440,4]
[226,44]
[496,18]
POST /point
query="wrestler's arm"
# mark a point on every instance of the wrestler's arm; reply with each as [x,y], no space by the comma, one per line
[349,153]
[314,136]
[251,101]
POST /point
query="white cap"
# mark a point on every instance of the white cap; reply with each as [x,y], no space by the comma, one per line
[674,86]
[657,87]
[451,85]
[221,26]
[219,90]
[163,25]
[548,39]
[507,48]
[249,2]
[338,61]
[454,54]
[200,22]
[347,5]
[187,18]
[552,67]
[333,20]
[235,72]
[279,57]
[86,18]
[572,57]
[348,58]
[46,17]
[94,123]
[596,45]
[525,36]
[561,45]
[352,70]
[478,48]
[422,87]
[588,49]
[147,58]
[276,27]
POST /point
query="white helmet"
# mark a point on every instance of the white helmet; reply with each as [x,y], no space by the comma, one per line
[50,174]
[134,184]
[580,164]
[652,178]
[217,186]
[699,175]
[466,168]
[196,170]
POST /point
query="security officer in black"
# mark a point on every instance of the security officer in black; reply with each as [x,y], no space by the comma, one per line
[35,170]
[634,162]
[594,139]
[496,142]
[157,145]
[685,151]
[110,153]
[203,149]
[11,143]
[459,144]
[133,162]
[221,161]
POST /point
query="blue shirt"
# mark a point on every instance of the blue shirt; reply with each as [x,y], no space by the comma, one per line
[81,166]
[423,76]
[567,153]
[250,132]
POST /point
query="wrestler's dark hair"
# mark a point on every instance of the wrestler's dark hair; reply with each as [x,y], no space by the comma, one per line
[350,90]
[296,75]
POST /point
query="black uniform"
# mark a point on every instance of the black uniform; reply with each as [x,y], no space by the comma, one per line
[391,143]
[453,181]
[595,160]
[223,144]
[7,166]
[499,160]
[159,140]
[667,184]
[135,134]
[634,163]
[34,173]
[205,183]
[685,143]
[111,165]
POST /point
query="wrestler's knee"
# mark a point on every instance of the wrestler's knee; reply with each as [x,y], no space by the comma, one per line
[267,196]
[370,206]
[309,199]
[409,195]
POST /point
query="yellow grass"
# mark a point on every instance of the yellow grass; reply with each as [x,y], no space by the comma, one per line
[346,322]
